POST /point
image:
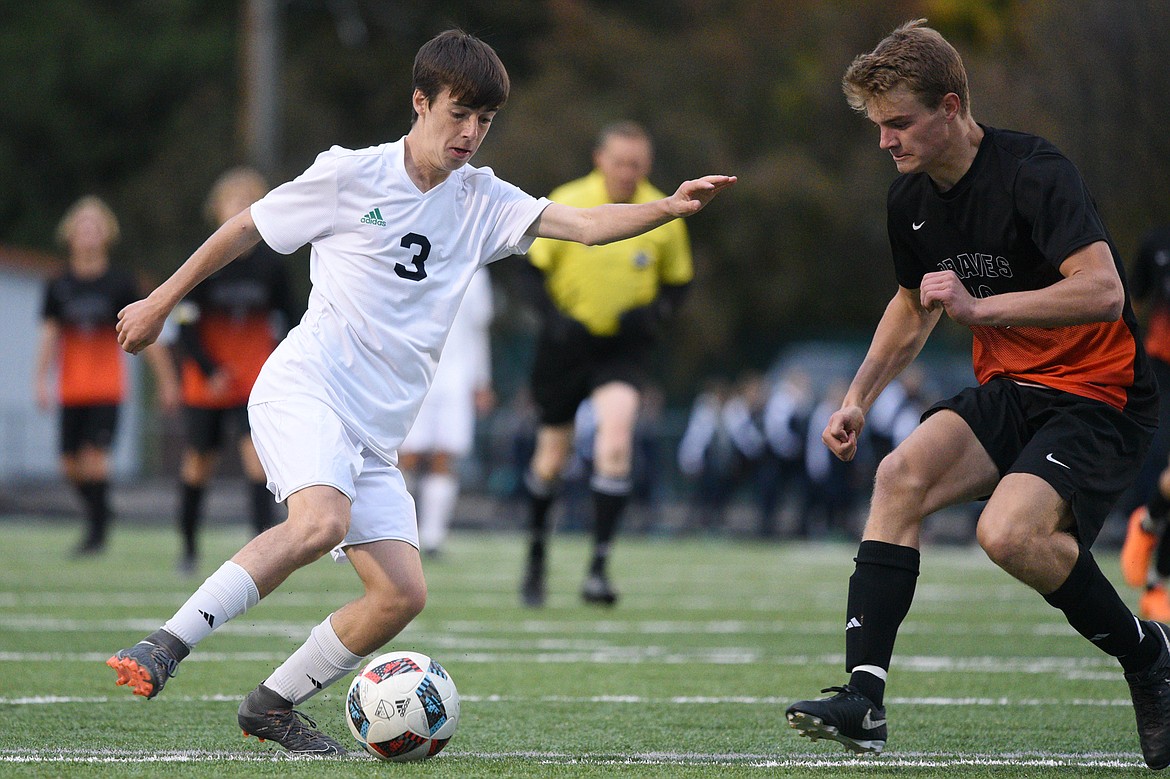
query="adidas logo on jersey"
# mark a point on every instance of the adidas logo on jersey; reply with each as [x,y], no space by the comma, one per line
[374,218]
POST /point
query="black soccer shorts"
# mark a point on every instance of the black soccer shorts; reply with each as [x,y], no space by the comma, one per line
[1087,450]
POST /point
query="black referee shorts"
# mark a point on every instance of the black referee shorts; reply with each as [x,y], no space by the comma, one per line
[570,363]
[1087,450]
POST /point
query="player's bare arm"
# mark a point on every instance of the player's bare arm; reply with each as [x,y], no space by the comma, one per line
[1090,291]
[617,221]
[899,337]
[140,323]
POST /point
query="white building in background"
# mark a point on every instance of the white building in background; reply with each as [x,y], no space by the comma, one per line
[28,435]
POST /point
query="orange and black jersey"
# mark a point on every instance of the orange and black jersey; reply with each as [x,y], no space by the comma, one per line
[1150,281]
[1006,226]
[91,370]
[226,324]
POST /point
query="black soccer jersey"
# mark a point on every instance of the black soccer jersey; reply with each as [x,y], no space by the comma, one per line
[86,310]
[1151,281]
[1006,226]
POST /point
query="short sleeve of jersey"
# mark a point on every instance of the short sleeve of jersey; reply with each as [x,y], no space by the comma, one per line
[517,210]
[302,210]
[677,264]
[1051,197]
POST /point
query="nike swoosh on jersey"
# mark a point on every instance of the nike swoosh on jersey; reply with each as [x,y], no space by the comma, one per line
[918,225]
[1052,459]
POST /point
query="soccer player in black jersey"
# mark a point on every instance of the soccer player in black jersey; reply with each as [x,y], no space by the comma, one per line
[997,230]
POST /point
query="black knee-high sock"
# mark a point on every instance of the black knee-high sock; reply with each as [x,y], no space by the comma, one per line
[190,507]
[1162,555]
[1095,610]
[881,590]
[95,495]
[262,504]
[1159,507]
[541,495]
[610,496]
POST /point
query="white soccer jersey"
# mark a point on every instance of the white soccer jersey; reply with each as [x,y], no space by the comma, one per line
[389,267]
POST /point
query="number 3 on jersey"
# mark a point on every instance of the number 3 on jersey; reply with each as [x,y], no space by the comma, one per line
[417,272]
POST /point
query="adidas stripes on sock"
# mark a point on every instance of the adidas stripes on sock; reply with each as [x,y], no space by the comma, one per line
[881,590]
[227,593]
[318,663]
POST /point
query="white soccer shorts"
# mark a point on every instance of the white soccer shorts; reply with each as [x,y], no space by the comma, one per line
[303,443]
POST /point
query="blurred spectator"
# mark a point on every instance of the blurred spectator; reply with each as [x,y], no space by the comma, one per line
[782,472]
[896,412]
[228,325]
[722,446]
[78,342]
[832,492]
[444,429]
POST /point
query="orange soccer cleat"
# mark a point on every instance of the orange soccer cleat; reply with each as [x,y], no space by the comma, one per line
[1155,604]
[1137,549]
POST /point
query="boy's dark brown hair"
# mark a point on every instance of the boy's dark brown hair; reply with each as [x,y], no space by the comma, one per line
[467,66]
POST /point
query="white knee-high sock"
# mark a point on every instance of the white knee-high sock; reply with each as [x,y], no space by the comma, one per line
[319,662]
[438,495]
[227,593]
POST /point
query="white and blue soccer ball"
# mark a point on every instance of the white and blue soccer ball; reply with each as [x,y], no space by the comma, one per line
[402,706]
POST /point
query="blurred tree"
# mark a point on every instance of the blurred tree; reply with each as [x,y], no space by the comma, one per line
[139,100]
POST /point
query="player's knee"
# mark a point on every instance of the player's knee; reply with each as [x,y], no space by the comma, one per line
[400,603]
[1004,543]
[318,533]
[897,476]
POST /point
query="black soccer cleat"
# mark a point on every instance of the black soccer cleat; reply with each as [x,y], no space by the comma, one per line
[532,589]
[270,717]
[147,665]
[597,590]
[848,717]
[1150,692]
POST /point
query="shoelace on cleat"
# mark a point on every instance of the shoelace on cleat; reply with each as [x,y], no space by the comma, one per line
[296,720]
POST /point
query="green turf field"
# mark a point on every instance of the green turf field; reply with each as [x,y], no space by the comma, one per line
[689,676]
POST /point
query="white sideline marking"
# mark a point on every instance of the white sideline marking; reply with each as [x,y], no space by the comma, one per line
[37,622]
[1091,667]
[678,700]
[910,760]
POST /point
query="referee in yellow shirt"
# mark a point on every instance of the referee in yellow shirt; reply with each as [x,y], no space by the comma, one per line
[603,308]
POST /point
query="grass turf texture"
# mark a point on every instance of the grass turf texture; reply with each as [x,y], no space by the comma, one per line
[689,676]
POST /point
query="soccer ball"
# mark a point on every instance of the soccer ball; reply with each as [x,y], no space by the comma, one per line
[402,706]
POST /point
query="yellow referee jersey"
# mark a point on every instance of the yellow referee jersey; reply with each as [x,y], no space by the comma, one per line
[596,284]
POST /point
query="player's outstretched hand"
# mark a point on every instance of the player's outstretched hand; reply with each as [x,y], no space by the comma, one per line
[139,325]
[691,196]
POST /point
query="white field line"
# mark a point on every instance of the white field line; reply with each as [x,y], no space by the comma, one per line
[909,760]
[1084,668]
[639,700]
[1090,667]
[929,598]
[37,622]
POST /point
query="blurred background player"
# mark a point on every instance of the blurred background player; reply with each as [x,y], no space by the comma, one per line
[1146,539]
[78,342]
[444,430]
[603,308]
[228,326]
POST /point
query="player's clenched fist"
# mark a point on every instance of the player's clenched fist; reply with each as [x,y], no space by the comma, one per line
[139,325]
[841,433]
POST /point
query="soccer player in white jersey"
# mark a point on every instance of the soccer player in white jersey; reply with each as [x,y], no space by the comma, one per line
[397,232]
